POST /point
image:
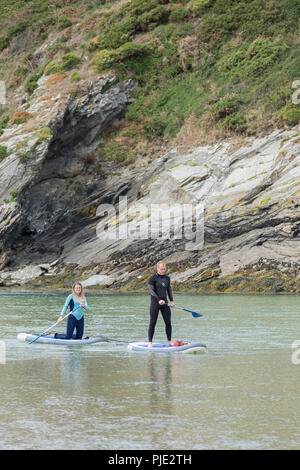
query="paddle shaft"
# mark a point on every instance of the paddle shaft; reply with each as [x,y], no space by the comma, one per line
[112,340]
[195,314]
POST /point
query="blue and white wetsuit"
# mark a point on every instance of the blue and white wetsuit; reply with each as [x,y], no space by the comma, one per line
[75,320]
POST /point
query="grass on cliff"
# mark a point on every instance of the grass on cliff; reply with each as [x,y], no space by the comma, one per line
[228,64]
[234,70]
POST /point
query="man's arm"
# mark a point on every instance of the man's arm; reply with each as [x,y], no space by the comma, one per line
[151,286]
[170,293]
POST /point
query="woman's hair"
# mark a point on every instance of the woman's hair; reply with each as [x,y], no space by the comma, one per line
[74,293]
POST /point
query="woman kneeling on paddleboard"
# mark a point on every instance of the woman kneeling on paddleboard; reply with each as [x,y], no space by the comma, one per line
[77,302]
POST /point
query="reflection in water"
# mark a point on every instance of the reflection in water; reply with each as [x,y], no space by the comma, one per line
[161,373]
[73,374]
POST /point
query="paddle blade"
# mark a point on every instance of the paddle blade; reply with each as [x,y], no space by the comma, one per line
[196,315]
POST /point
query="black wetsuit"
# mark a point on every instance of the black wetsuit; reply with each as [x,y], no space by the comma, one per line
[159,288]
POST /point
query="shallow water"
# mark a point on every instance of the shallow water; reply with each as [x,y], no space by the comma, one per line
[242,394]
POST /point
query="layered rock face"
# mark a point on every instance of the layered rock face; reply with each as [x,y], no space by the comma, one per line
[72,219]
[250,207]
[48,170]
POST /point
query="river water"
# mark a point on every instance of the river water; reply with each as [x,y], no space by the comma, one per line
[242,394]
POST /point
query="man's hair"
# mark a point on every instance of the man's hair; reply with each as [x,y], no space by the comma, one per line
[160,262]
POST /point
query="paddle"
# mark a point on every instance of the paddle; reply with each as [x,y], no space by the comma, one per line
[195,314]
[112,340]
[50,328]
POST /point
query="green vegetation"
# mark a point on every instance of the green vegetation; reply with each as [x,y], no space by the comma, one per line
[75,77]
[265,201]
[290,114]
[106,59]
[14,194]
[3,152]
[44,133]
[69,61]
[251,61]
[31,83]
[118,152]
[3,124]
[23,156]
[63,22]
[153,179]
[241,57]
[227,64]
[143,16]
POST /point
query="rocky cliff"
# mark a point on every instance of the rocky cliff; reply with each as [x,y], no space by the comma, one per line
[52,187]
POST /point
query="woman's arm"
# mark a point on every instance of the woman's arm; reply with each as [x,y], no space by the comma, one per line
[84,305]
[65,306]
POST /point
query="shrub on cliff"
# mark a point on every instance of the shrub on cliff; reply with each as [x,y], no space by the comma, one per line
[251,61]
[31,83]
[107,59]
[118,33]
[290,114]
[69,61]
[225,106]
[3,152]
[3,124]
[150,19]
[52,67]
[64,22]
[144,16]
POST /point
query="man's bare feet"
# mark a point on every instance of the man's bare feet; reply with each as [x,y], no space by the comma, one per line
[149,345]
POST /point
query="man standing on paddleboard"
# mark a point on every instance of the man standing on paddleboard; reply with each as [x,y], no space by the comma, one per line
[159,287]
